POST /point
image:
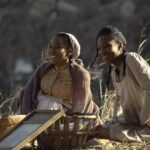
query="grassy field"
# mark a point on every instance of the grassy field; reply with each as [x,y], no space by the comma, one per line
[98,144]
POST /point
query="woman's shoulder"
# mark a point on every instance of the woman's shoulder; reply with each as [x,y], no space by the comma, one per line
[79,69]
[131,56]
[43,67]
[44,64]
[134,60]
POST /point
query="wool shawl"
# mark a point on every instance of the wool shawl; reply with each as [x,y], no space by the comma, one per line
[81,100]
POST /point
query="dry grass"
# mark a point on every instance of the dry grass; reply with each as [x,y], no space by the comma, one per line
[107,108]
[106,114]
[9,105]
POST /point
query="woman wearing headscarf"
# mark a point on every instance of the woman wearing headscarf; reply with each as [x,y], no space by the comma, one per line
[62,83]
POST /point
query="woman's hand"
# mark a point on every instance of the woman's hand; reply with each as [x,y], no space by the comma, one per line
[99,132]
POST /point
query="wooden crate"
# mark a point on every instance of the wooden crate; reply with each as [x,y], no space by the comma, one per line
[66,133]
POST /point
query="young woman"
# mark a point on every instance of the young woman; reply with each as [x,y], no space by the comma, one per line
[131,79]
[62,83]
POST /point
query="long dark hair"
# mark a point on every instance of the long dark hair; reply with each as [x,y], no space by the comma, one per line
[118,37]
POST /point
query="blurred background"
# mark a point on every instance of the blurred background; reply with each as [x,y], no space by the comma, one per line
[27,25]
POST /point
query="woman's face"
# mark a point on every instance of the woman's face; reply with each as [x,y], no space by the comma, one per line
[58,50]
[109,49]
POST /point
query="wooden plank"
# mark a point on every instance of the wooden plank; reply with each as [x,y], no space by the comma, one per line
[49,133]
[58,137]
[27,130]
[75,129]
[66,136]
[88,130]
[85,125]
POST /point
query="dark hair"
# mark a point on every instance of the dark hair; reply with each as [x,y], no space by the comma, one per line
[116,34]
[118,37]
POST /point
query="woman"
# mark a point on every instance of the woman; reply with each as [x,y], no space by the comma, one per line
[131,78]
[62,83]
